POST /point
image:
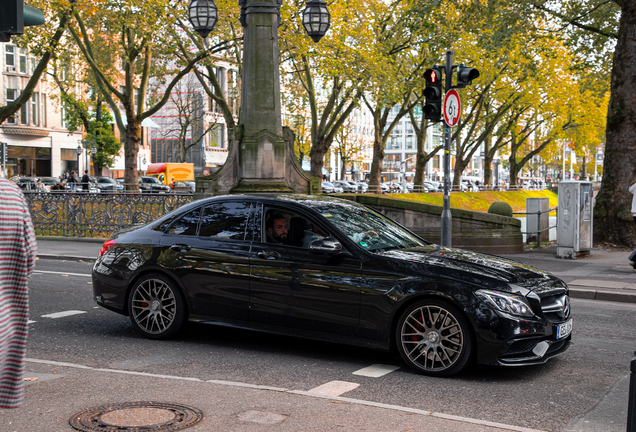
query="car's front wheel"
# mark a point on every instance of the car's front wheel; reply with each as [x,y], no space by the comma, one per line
[157,307]
[434,338]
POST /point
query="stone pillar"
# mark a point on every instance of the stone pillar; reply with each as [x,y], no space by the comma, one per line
[261,157]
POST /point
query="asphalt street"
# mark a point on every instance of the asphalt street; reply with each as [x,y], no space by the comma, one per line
[83,356]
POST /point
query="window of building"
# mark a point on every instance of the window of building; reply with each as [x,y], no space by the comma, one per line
[23,62]
[35,109]
[411,162]
[12,95]
[43,110]
[9,55]
[410,142]
[24,114]
[63,116]
[395,143]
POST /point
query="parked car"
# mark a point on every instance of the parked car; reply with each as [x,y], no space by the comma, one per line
[49,182]
[183,187]
[106,184]
[215,261]
[27,184]
[149,184]
[434,186]
[353,185]
[326,187]
[470,186]
[362,187]
[346,186]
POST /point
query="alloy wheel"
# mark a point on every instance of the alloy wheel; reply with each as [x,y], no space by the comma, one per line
[153,306]
[431,339]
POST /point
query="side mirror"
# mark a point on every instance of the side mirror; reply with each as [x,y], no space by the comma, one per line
[325,246]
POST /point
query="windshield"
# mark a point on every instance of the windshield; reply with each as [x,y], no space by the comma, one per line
[106,180]
[150,180]
[368,229]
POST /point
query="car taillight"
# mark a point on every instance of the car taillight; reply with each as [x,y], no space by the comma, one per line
[108,245]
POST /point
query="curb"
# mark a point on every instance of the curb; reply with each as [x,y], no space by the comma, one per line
[99,240]
[65,257]
[604,295]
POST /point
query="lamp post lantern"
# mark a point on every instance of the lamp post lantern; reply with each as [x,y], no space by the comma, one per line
[316,19]
[203,15]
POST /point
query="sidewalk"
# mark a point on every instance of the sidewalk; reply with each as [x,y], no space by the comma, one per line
[604,275]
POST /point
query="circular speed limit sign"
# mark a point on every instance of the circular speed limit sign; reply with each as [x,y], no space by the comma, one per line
[452,108]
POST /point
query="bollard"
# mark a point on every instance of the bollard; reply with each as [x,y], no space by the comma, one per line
[631,405]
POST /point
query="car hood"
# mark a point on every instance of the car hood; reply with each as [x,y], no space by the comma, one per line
[448,261]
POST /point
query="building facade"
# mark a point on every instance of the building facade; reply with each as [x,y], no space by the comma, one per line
[39,145]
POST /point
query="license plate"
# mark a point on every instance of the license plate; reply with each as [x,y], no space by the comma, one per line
[563,330]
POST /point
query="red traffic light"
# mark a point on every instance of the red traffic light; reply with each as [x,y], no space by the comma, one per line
[432,76]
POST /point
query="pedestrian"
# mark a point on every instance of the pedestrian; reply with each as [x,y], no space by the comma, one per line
[85,181]
[632,190]
[72,181]
[17,253]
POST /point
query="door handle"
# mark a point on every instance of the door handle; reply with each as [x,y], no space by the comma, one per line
[180,248]
[268,255]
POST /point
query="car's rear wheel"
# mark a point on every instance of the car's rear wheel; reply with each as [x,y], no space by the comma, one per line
[434,338]
[157,307]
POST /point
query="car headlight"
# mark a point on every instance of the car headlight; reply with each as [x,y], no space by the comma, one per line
[512,304]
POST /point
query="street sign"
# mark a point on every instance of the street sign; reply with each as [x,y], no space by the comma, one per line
[452,108]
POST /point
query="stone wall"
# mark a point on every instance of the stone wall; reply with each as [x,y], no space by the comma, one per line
[476,231]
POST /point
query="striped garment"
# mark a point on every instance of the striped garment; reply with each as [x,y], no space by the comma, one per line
[17,259]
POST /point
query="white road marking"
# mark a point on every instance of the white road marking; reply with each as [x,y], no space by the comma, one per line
[376,370]
[304,393]
[61,273]
[64,314]
[334,388]
[30,322]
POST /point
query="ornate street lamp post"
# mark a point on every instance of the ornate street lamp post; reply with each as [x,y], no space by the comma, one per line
[79,153]
[261,155]
[94,152]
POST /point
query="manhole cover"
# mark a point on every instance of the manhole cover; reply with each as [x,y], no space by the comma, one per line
[137,417]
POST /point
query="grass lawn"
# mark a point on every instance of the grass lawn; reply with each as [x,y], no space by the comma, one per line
[481,201]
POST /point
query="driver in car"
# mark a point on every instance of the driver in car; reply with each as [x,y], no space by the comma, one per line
[277,229]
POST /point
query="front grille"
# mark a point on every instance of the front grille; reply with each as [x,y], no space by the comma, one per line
[556,308]
[521,346]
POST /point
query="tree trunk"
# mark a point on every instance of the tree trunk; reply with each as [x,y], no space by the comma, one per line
[317,157]
[613,221]
[421,158]
[131,150]
[376,164]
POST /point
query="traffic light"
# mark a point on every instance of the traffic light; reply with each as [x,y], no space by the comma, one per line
[466,75]
[15,16]
[433,93]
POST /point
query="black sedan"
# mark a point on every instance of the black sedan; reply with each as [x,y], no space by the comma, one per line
[329,269]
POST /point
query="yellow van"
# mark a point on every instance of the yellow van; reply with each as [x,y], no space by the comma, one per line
[169,172]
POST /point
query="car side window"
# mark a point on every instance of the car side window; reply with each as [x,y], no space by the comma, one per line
[186,224]
[225,220]
[290,229]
